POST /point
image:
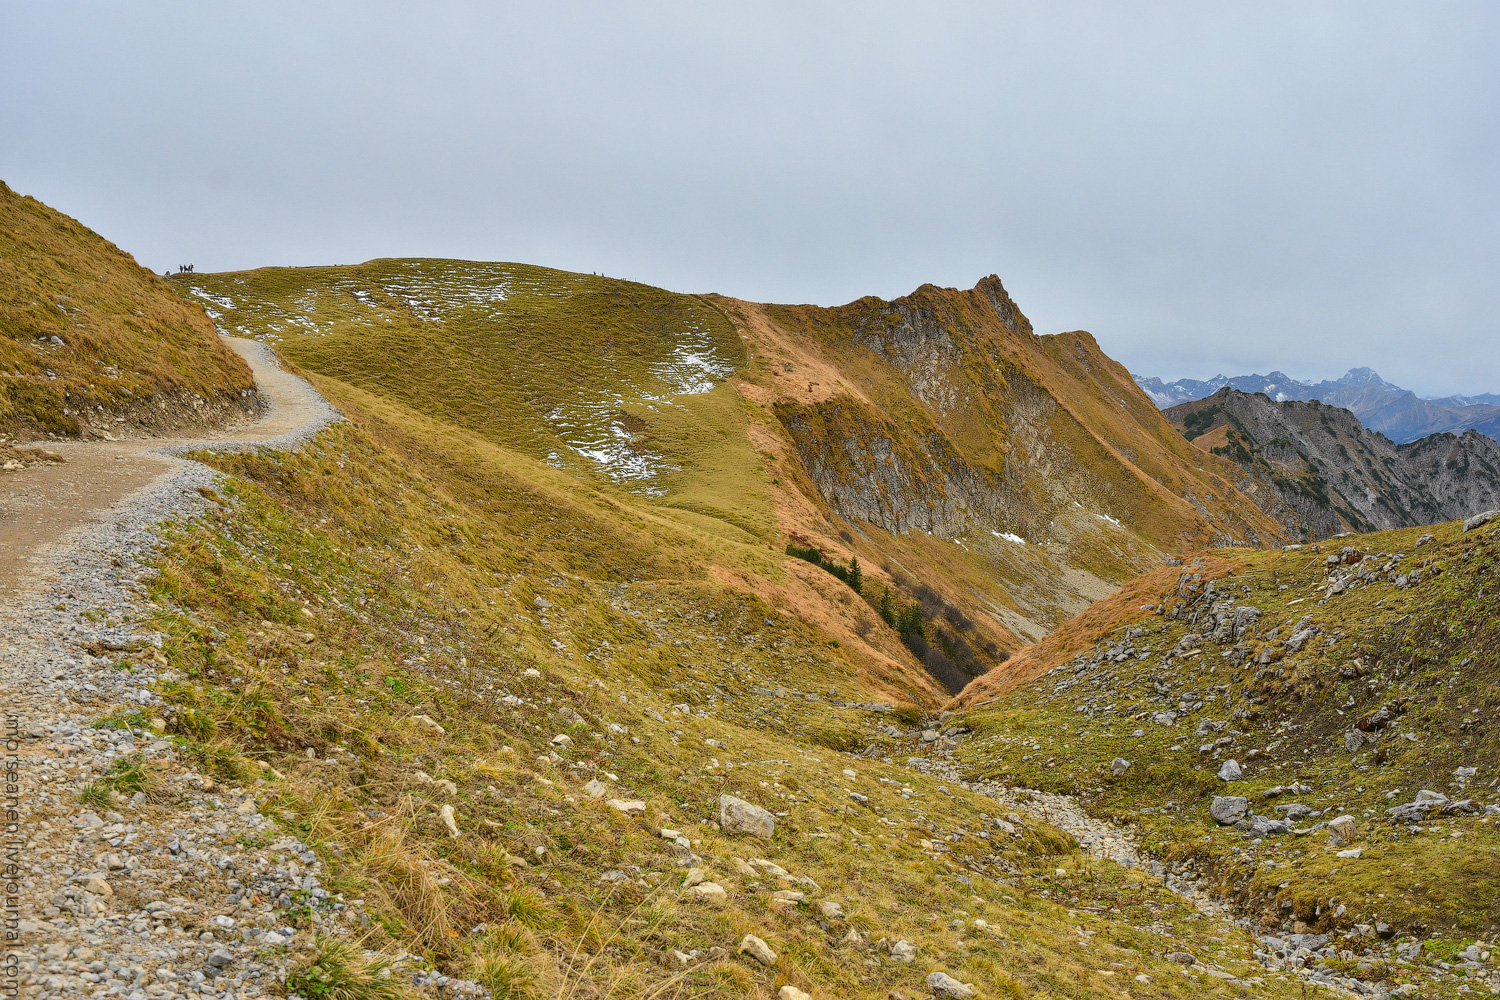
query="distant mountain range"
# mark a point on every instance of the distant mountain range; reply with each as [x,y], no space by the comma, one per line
[1317,471]
[1398,413]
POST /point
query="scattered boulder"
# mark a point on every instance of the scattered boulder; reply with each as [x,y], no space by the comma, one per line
[738,817]
[1342,826]
[1182,958]
[790,992]
[695,876]
[831,910]
[449,820]
[943,985]
[1119,766]
[757,949]
[428,723]
[1229,809]
[595,789]
[711,892]
[903,951]
[930,735]
[1231,771]
[630,807]
[1480,520]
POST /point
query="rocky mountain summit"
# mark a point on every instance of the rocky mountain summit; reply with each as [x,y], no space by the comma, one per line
[1398,413]
[1319,471]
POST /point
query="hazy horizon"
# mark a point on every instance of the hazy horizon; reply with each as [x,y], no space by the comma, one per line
[1208,190]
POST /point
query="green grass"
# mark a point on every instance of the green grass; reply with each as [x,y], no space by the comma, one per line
[1428,651]
[420,567]
[615,380]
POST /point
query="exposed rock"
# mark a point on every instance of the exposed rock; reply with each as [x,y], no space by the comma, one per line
[428,723]
[757,949]
[943,985]
[831,910]
[903,951]
[711,892]
[695,876]
[1119,766]
[449,820]
[1480,520]
[1230,771]
[1332,474]
[790,992]
[1229,809]
[1342,826]
[595,789]
[740,818]
[630,807]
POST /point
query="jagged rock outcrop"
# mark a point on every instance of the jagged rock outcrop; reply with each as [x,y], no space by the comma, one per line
[1319,471]
[951,416]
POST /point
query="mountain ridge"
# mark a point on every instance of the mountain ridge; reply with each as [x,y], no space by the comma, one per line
[1319,471]
[1380,405]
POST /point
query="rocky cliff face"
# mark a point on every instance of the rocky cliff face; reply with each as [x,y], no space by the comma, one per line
[1319,471]
[943,412]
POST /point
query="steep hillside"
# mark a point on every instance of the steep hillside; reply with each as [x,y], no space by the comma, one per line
[941,416]
[1388,409]
[1319,472]
[971,496]
[1234,711]
[502,705]
[92,344]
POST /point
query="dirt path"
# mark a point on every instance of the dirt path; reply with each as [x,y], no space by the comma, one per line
[134,875]
[39,506]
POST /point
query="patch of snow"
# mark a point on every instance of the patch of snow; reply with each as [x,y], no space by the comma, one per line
[1106,517]
[1008,536]
[222,301]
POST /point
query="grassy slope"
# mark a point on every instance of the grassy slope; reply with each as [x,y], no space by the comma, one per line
[599,377]
[1428,650]
[402,568]
[124,342]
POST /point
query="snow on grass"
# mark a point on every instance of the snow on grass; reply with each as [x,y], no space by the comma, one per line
[1007,536]
[1106,517]
[222,301]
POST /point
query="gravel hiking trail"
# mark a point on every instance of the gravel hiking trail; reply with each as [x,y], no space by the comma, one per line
[41,505]
[133,875]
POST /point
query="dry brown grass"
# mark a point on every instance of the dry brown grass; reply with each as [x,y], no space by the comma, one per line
[115,338]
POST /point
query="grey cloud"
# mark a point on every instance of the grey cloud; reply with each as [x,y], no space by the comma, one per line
[1205,187]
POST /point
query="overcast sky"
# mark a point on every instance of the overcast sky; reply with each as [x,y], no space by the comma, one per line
[1206,187]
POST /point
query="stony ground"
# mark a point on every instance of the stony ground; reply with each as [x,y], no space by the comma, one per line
[138,876]
[1300,954]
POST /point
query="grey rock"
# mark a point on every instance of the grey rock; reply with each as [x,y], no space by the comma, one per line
[740,818]
[1119,766]
[1480,520]
[943,985]
[903,951]
[1230,771]
[757,949]
[1228,809]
